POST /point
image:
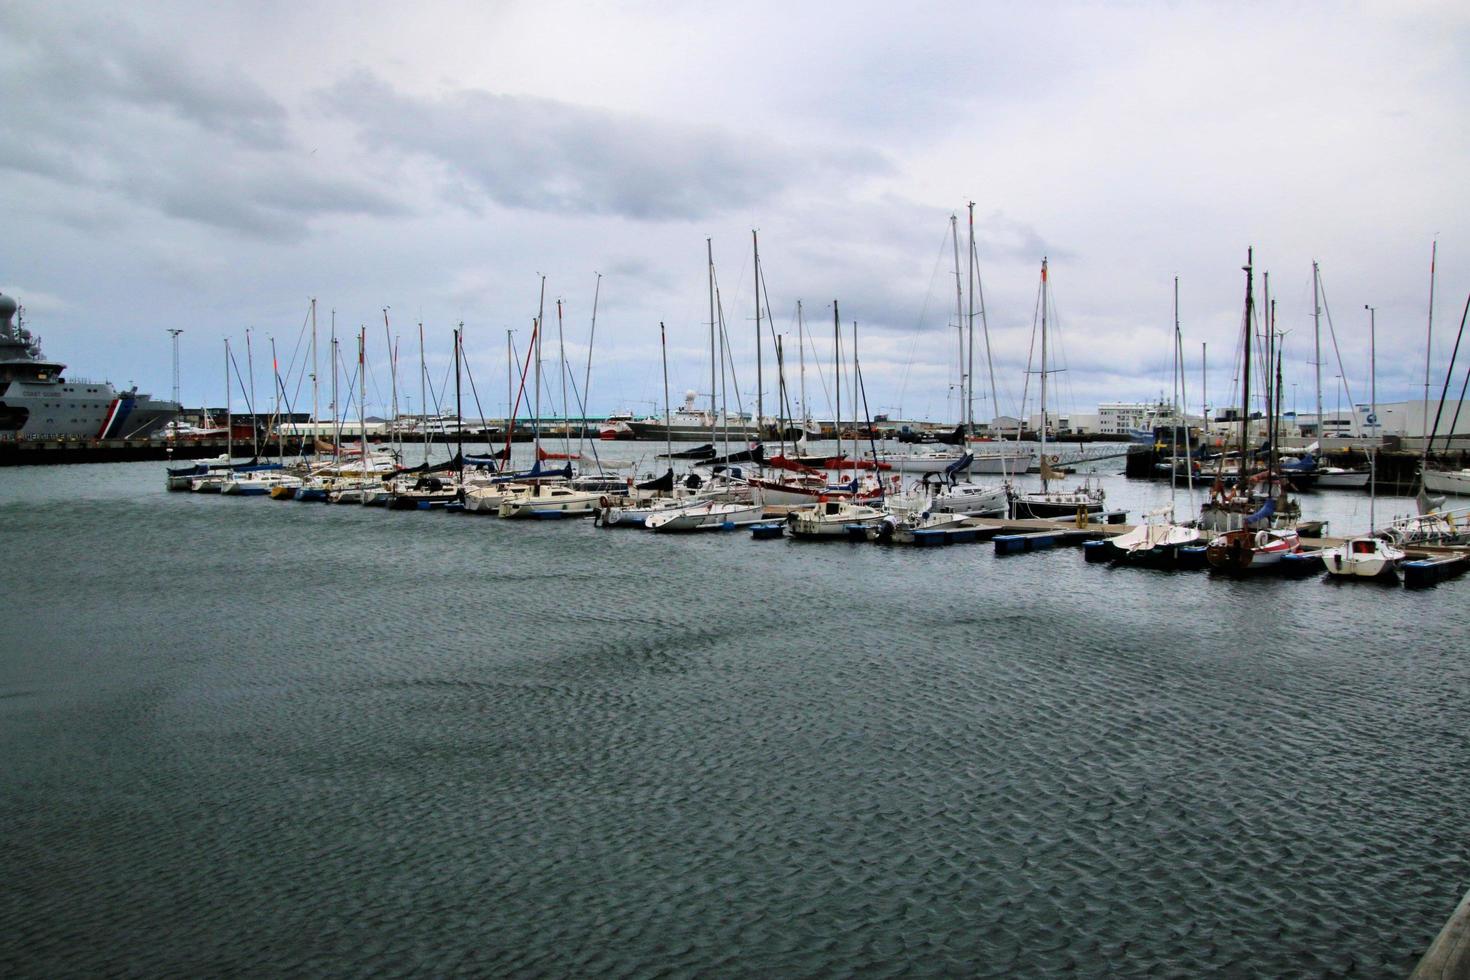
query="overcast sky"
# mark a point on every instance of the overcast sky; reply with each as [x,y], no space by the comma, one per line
[167,166]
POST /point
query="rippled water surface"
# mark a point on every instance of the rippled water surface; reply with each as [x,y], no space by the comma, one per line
[249,737]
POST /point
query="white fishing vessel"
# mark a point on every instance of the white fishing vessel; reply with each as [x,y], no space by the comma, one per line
[831,518]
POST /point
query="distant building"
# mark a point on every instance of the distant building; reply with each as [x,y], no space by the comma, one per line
[1125,418]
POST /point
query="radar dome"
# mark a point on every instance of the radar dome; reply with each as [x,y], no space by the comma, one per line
[7,308]
[691,394]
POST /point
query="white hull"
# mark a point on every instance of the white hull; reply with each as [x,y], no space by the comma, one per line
[1362,558]
[705,517]
[1455,482]
[972,500]
[1337,479]
[553,500]
[916,464]
[1001,463]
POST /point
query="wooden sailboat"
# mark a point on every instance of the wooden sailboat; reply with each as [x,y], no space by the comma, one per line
[1049,503]
[1259,542]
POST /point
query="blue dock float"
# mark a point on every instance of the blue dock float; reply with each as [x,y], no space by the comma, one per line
[1011,544]
[1427,571]
[548,515]
[1300,564]
[1097,551]
[770,529]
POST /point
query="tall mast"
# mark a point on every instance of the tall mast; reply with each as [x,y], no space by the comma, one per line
[397,441]
[1174,428]
[760,412]
[276,377]
[663,345]
[254,422]
[458,412]
[1043,375]
[587,377]
[801,355]
[509,389]
[315,388]
[709,251]
[970,335]
[566,414]
[362,402]
[1317,343]
[959,309]
[1428,346]
[229,415]
[1181,409]
[536,337]
[423,388]
[1270,347]
[336,418]
[837,377]
[1245,397]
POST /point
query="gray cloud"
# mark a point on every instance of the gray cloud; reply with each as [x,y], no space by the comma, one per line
[545,155]
[107,109]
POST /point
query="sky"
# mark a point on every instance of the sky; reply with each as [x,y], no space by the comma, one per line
[211,168]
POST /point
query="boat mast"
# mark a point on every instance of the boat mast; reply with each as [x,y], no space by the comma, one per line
[837,373]
[423,389]
[1428,346]
[536,339]
[509,389]
[1245,398]
[458,411]
[362,404]
[663,344]
[397,436]
[566,413]
[1317,342]
[336,418]
[315,387]
[959,309]
[1181,410]
[970,335]
[229,415]
[587,377]
[801,355]
[760,412]
[254,422]
[1043,376]
[280,435]
[709,251]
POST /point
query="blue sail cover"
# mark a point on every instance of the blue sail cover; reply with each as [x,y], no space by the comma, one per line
[1264,514]
[1306,464]
[959,464]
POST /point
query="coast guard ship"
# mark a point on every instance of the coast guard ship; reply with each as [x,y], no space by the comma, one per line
[38,402]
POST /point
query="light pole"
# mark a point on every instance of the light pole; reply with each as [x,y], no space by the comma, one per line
[174,333]
[1372,360]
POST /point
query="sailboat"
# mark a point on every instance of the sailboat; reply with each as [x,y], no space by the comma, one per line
[1258,543]
[1370,555]
[1049,503]
[1156,543]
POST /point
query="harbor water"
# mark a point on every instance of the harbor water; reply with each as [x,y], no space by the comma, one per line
[249,737]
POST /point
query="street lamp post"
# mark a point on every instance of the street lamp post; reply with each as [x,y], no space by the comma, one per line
[1372,372]
[174,332]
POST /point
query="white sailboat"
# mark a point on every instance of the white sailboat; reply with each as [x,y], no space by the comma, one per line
[1049,503]
[1370,555]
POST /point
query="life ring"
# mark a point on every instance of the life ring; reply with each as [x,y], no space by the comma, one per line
[1054,460]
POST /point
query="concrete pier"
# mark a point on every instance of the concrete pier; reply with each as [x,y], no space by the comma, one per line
[1448,957]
